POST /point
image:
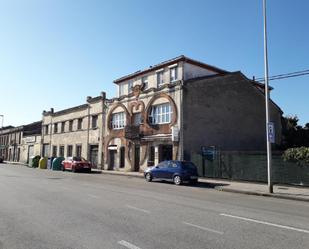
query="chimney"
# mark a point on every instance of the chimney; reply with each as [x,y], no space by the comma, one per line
[103,94]
[88,98]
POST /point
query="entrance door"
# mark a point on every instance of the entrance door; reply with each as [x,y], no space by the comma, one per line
[30,152]
[94,156]
[166,152]
[112,155]
[137,158]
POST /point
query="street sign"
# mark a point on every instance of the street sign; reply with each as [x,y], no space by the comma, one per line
[271,132]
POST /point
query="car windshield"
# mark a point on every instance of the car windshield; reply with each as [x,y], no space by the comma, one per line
[188,165]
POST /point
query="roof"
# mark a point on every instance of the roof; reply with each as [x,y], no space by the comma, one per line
[170,62]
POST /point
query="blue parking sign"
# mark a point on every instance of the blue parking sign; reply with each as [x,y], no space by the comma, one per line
[271,132]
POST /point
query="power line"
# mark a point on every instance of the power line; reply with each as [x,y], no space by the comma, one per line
[286,75]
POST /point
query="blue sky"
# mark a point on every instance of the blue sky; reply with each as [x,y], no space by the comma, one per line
[54,53]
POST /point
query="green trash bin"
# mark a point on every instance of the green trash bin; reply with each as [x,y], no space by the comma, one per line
[34,161]
[43,163]
[56,165]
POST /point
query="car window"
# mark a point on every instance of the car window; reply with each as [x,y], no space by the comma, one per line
[163,165]
[172,164]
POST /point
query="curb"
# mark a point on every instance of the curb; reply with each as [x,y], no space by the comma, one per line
[121,174]
[278,196]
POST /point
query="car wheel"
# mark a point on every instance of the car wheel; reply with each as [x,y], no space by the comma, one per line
[177,180]
[148,177]
[63,168]
[88,171]
[73,169]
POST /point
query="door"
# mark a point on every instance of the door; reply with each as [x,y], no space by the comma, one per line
[94,156]
[112,155]
[30,152]
[136,158]
[165,152]
[160,170]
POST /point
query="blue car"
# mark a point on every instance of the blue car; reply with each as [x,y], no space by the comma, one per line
[176,171]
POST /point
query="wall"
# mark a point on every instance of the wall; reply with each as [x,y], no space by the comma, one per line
[228,112]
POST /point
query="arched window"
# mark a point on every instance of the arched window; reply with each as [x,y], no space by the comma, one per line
[118,120]
[160,114]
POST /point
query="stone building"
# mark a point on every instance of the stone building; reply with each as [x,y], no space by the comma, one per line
[174,108]
[17,144]
[76,131]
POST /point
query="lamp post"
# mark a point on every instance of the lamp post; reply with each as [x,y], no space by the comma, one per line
[2,116]
[269,178]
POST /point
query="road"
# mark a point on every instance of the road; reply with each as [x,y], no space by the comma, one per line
[63,210]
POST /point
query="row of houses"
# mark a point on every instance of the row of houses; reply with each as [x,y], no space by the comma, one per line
[167,111]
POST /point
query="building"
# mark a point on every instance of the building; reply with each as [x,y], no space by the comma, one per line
[18,144]
[77,131]
[169,110]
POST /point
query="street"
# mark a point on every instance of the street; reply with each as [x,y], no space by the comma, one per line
[63,210]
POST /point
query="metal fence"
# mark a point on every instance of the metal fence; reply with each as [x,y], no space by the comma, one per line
[250,166]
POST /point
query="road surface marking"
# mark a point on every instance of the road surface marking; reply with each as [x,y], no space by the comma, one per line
[138,209]
[93,196]
[127,244]
[203,228]
[266,223]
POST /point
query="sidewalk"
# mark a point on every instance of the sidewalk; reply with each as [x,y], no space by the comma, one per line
[280,191]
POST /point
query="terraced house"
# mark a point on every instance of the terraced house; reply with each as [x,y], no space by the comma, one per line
[75,131]
[171,109]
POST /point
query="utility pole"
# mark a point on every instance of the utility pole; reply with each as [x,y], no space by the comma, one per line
[269,178]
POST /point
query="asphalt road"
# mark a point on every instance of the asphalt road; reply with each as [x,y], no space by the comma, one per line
[63,210]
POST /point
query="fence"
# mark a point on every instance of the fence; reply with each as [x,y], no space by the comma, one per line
[250,166]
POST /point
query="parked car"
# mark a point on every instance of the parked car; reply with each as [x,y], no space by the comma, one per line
[76,164]
[176,171]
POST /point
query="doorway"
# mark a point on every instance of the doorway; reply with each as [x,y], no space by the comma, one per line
[112,156]
[94,155]
[30,152]
[165,152]
[137,157]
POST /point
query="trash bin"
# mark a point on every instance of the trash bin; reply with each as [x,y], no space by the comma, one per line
[49,162]
[34,161]
[56,165]
[43,163]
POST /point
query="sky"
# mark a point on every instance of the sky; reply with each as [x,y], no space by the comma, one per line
[55,53]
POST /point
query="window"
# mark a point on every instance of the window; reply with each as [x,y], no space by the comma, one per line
[71,125]
[145,81]
[79,150]
[70,151]
[54,154]
[94,123]
[137,118]
[120,89]
[160,78]
[62,126]
[46,129]
[79,123]
[55,127]
[61,151]
[130,86]
[118,120]
[45,150]
[160,114]
[173,74]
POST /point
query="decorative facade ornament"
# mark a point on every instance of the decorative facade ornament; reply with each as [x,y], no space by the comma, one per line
[138,89]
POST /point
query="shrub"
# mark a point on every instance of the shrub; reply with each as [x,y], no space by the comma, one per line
[299,155]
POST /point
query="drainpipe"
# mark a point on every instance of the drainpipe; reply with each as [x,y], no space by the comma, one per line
[51,131]
[102,130]
[181,112]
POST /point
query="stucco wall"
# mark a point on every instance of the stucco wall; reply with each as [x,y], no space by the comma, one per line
[228,112]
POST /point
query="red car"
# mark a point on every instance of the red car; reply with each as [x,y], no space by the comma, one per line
[76,164]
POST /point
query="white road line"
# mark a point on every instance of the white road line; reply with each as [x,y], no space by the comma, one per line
[203,228]
[127,244]
[138,209]
[266,223]
[93,196]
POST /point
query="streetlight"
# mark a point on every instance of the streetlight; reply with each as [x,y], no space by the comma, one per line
[268,124]
[2,120]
